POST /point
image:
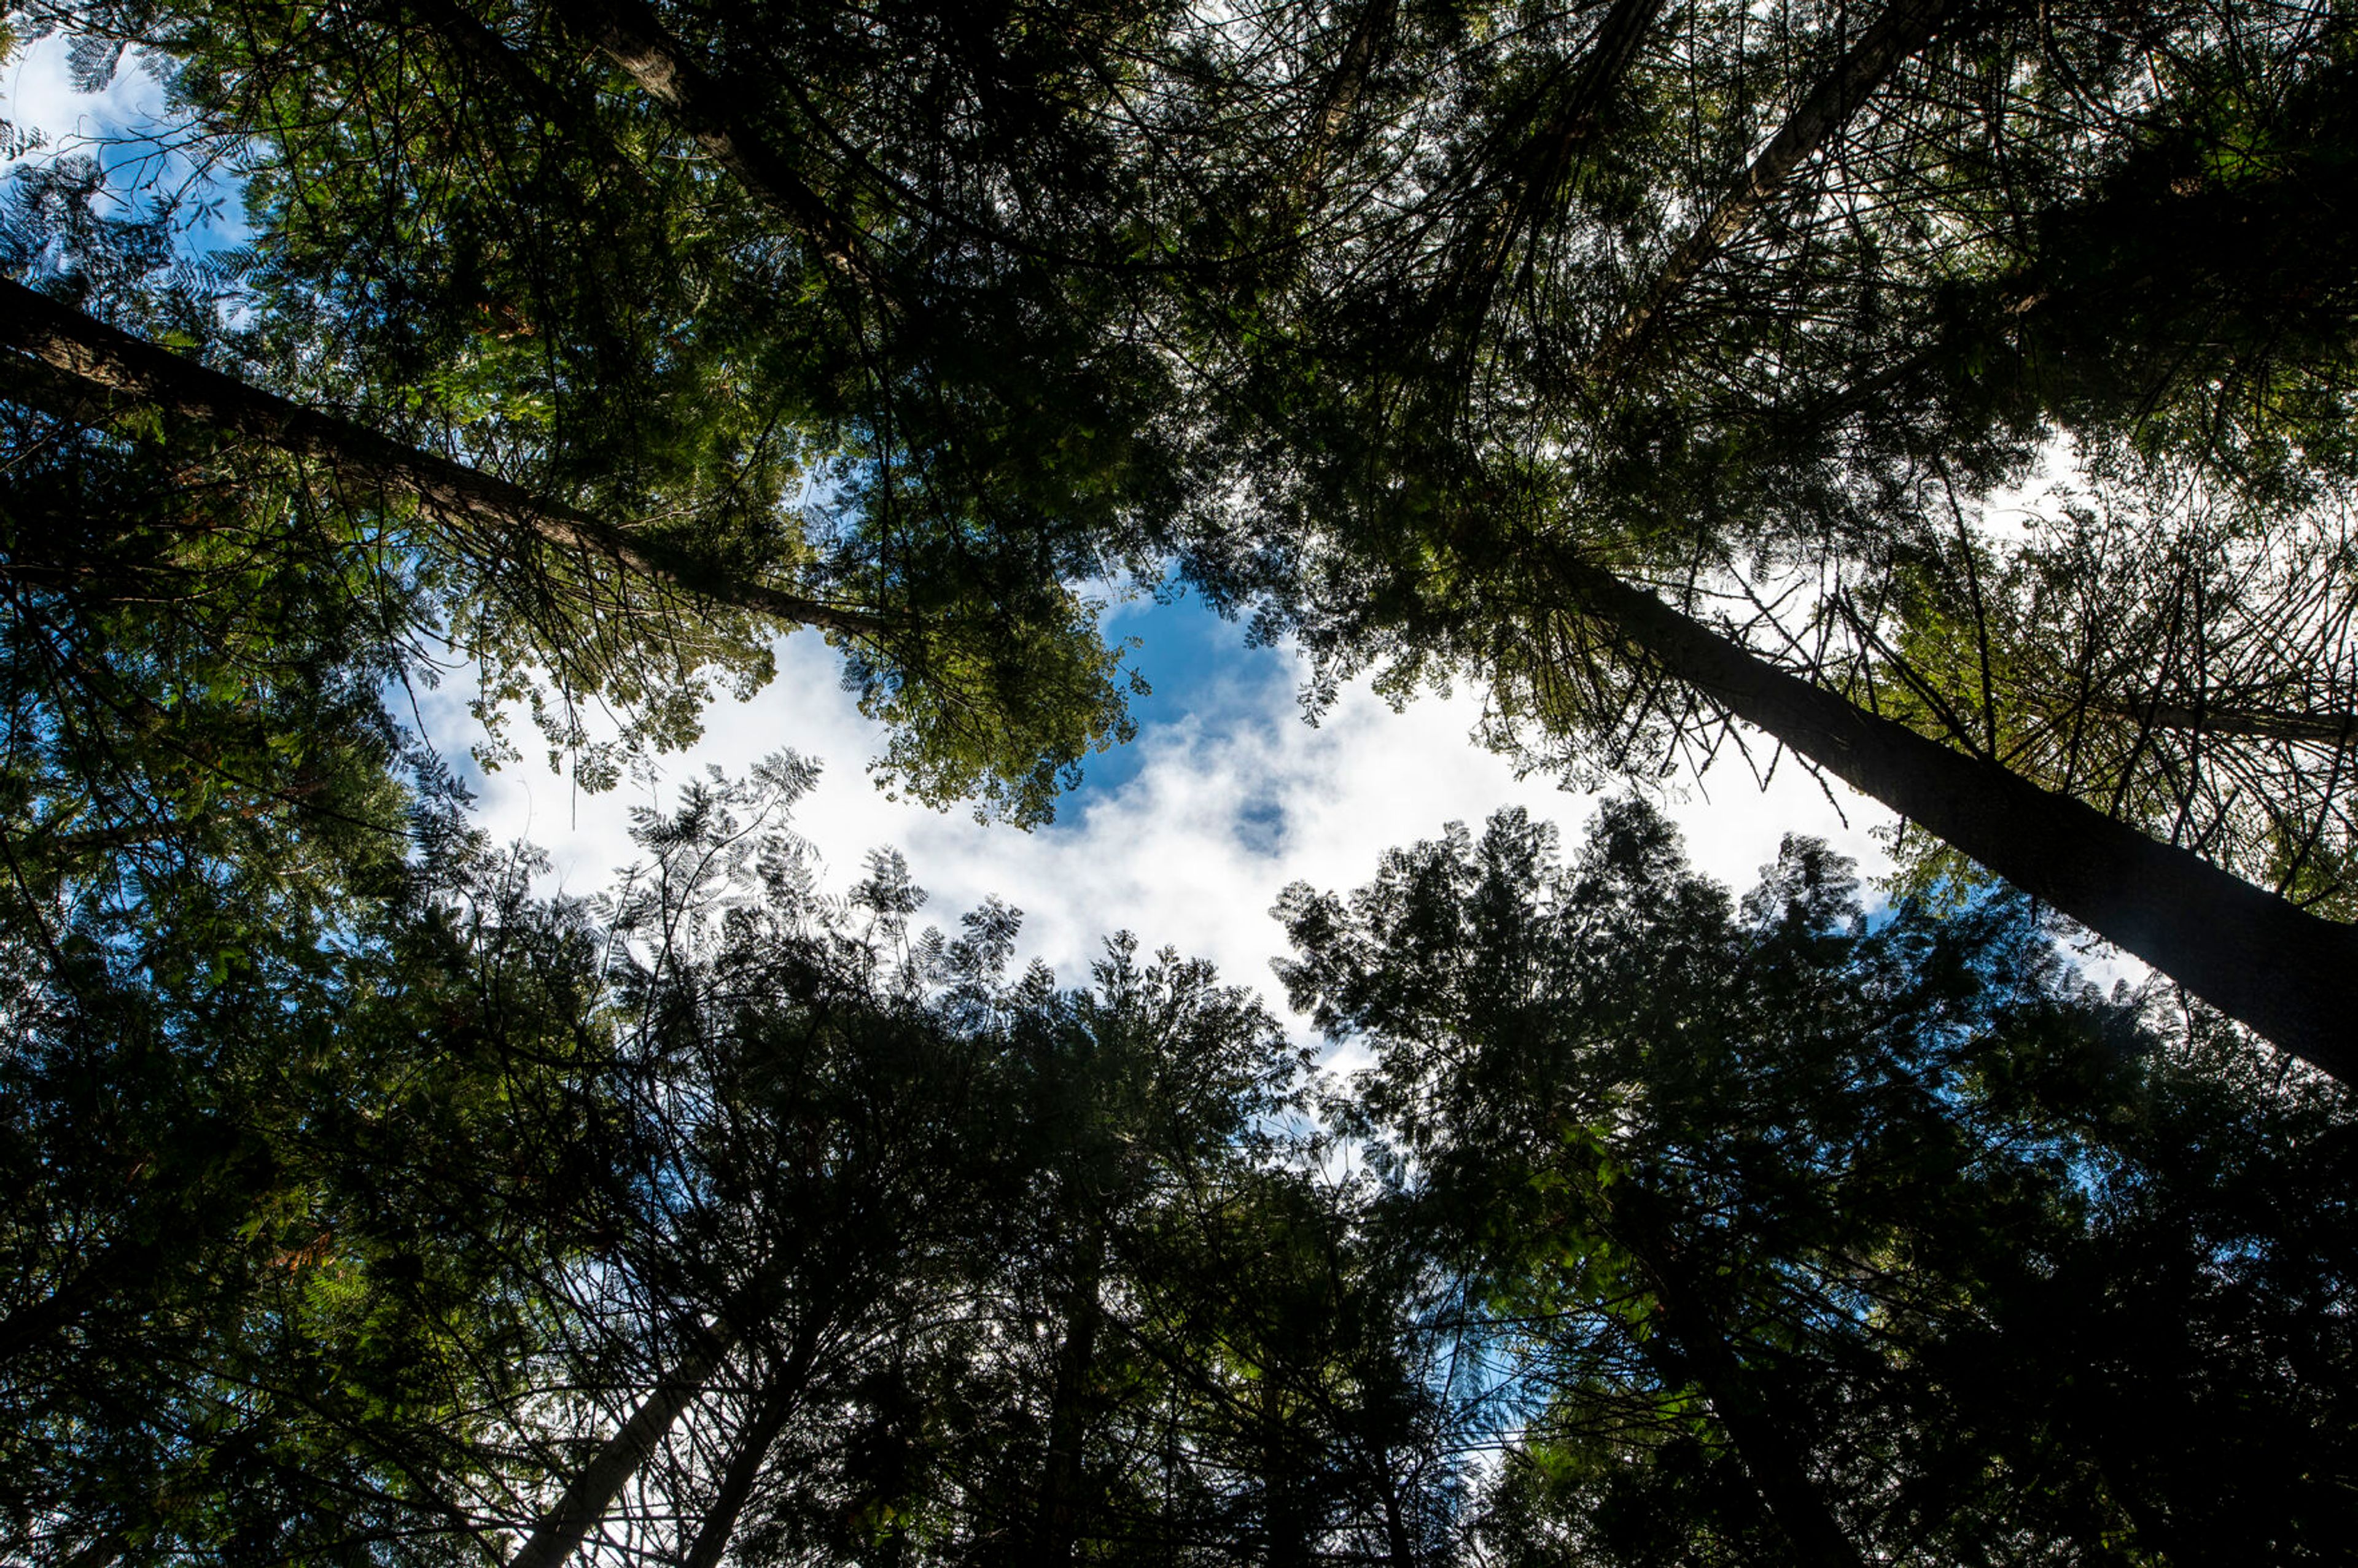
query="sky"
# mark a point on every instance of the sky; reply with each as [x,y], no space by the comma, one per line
[1184,838]
[1187,836]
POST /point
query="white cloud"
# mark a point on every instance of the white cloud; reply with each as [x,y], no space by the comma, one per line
[40,91]
[1228,803]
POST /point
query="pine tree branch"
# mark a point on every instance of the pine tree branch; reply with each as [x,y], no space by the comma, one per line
[469,39]
[1898,33]
[780,1398]
[631,34]
[591,1493]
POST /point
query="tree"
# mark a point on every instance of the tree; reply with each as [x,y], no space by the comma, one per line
[613,344]
[274,1198]
[1742,1198]
[1777,409]
[1418,330]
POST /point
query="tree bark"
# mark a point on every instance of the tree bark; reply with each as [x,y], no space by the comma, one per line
[35,1321]
[1400,1548]
[83,370]
[1376,19]
[2253,955]
[1897,35]
[1574,122]
[586,1502]
[633,36]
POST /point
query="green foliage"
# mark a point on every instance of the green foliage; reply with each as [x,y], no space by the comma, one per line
[354,1201]
[1788,1237]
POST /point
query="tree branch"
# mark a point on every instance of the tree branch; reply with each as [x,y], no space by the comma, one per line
[85,370]
[1897,34]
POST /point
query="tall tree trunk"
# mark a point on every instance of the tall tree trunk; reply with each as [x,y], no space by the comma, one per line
[780,1397]
[1572,124]
[1400,1546]
[1373,25]
[101,1278]
[1897,35]
[591,1494]
[1286,1514]
[1538,165]
[1069,1406]
[2253,955]
[1694,1349]
[85,370]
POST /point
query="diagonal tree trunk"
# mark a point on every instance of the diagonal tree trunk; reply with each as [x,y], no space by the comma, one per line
[468,40]
[1694,1349]
[1539,163]
[779,1400]
[1374,23]
[1572,123]
[2253,955]
[1896,35]
[633,36]
[591,1493]
[83,370]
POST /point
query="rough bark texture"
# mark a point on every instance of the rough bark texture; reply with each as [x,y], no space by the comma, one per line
[85,370]
[1897,34]
[2253,955]
[591,1494]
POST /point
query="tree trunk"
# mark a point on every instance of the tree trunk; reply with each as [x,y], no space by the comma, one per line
[780,1397]
[2339,731]
[1694,1349]
[2253,955]
[1399,1545]
[468,40]
[101,1277]
[1539,165]
[1286,1521]
[1055,1527]
[1897,35]
[633,36]
[1573,124]
[586,1502]
[83,370]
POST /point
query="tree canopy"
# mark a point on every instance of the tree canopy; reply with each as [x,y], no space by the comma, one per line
[1957,395]
[1420,332]
[716,1219]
